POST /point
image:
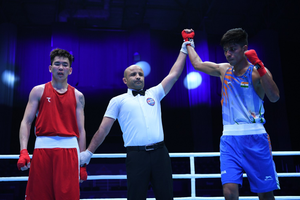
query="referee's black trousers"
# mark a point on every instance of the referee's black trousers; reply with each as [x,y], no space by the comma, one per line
[149,166]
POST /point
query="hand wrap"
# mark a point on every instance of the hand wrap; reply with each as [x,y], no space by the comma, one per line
[253,58]
[83,173]
[187,35]
[24,160]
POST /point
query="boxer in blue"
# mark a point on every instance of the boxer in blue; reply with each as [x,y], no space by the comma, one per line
[245,144]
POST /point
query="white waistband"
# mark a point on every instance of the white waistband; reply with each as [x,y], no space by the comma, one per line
[42,142]
[244,129]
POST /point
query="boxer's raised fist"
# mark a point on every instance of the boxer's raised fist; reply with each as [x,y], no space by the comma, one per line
[187,34]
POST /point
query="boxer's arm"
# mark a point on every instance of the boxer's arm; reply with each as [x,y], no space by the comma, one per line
[24,133]
[207,67]
[80,103]
[265,77]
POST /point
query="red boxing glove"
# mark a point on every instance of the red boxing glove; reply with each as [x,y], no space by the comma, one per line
[252,57]
[187,35]
[83,173]
[24,160]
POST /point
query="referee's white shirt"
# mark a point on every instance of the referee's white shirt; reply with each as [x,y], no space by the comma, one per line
[139,116]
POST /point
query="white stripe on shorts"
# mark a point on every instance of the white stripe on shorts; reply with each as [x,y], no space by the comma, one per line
[244,129]
[43,142]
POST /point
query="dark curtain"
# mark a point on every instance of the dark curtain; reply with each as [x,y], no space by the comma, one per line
[191,118]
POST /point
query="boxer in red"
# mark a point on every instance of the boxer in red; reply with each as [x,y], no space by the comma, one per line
[60,135]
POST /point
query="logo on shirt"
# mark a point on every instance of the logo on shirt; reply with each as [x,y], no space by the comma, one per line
[150,101]
[244,84]
[49,98]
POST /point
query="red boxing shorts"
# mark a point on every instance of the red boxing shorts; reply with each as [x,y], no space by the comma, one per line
[54,172]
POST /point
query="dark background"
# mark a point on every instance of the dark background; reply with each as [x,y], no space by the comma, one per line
[104,35]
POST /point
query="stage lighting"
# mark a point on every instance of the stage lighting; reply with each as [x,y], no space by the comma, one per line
[145,67]
[9,78]
[192,80]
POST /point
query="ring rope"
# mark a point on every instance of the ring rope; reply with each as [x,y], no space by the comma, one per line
[191,176]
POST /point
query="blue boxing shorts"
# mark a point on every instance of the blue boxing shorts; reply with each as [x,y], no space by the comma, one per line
[247,148]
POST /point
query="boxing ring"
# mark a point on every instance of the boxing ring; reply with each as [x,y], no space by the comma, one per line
[192,175]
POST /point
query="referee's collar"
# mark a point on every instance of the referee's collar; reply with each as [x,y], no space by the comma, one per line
[129,91]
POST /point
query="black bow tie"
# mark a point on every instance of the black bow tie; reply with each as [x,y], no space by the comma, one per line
[141,92]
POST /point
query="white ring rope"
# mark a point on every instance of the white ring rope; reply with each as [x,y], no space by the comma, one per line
[193,176]
[209,154]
